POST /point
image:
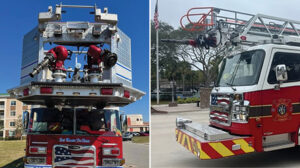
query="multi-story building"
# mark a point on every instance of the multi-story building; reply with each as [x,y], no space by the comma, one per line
[136,123]
[11,111]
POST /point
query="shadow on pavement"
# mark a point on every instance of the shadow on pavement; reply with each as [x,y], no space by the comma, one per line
[280,158]
[15,164]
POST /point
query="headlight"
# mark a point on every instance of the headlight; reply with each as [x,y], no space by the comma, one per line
[240,111]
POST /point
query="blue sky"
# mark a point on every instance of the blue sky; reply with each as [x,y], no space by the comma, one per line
[18,17]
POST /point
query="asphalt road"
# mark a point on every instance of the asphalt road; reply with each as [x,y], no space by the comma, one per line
[136,155]
[166,152]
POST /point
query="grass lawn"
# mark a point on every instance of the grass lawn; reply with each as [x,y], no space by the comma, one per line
[11,153]
[140,139]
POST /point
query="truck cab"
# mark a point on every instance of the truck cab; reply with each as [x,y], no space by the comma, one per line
[253,106]
[254,94]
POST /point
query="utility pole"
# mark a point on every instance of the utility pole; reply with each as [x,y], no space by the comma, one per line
[157,69]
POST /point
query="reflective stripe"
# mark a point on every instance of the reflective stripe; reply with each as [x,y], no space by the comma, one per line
[221,149]
[203,155]
[214,150]
[244,145]
[182,140]
[179,136]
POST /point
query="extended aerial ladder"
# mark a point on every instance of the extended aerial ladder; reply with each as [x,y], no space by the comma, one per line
[229,28]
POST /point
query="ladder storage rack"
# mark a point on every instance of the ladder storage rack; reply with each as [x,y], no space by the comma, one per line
[242,28]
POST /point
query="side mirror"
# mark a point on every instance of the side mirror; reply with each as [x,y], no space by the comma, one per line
[281,73]
[25,119]
[124,124]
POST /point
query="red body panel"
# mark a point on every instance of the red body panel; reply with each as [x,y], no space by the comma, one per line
[266,120]
[52,140]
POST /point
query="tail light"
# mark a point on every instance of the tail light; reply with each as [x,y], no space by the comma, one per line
[37,150]
[46,90]
[126,94]
[106,91]
[111,151]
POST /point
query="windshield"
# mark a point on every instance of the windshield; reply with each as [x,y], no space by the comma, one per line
[241,69]
[53,121]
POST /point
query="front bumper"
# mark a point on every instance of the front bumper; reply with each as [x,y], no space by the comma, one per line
[49,166]
[207,142]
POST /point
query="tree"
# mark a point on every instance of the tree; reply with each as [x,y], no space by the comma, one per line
[19,126]
[204,60]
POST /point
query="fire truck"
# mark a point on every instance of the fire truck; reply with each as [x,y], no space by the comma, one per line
[254,105]
[75,120]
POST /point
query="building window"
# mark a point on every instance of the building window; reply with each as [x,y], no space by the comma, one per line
[13,113]
[2,105]
[11,133]
[12,124]
[13,103]
[137,119]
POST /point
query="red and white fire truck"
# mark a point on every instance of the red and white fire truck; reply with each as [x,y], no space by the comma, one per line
[75,120]
[255,105]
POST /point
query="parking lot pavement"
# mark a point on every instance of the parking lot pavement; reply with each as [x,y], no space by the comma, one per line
[136,155]
[166,152]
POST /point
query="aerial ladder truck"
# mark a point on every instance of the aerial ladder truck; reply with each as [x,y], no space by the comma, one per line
[75,120]
[254,105]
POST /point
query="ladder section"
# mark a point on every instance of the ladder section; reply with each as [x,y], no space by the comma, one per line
[241,28]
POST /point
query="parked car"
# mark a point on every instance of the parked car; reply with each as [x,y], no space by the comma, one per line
[136,134]
[127,136]
[144,134]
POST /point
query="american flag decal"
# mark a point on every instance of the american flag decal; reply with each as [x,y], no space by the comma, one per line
[214,100]
[65,156]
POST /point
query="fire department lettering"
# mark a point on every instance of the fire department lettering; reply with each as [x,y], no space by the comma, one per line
[81,140]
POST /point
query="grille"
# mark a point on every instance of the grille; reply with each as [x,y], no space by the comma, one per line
[220,108]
